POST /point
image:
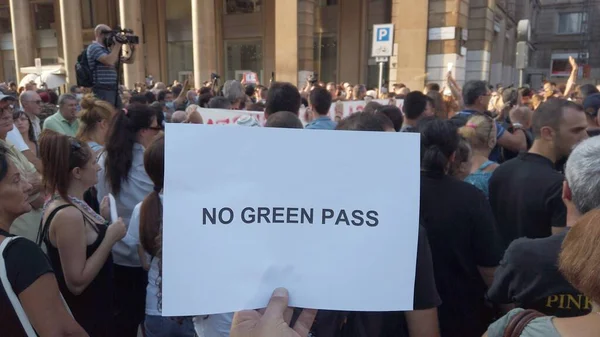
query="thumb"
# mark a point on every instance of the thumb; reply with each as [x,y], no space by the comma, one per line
[278,303]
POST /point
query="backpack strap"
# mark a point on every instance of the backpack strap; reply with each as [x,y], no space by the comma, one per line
[10,293]
[520,321]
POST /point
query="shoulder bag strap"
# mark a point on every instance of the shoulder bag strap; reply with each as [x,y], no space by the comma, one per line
[11,294]
[519,322]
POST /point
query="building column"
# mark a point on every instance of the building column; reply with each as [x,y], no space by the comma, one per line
[481,35]
[408,65]
[306,35]
[131,18]
[351,36]
[72,36]
[155,38]
[23,35]
[286,41]
[268,18]
[447,21]
[204,40]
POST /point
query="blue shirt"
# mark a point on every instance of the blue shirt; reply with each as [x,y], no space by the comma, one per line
[322,123]
[103,74]
[481,178]
[495,154]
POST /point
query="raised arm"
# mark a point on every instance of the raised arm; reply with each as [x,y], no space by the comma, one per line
[573,78]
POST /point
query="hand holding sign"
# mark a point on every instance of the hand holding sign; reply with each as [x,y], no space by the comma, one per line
[275,320]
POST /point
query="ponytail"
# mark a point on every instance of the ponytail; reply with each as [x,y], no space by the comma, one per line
[119,144]
[439,140]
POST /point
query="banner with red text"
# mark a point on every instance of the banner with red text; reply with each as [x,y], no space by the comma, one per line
[338,110]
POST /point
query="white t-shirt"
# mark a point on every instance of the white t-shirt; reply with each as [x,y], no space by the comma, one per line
[133,239]
[205,326]
[14,137]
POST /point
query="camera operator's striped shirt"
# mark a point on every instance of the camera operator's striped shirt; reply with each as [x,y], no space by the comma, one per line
[103,74]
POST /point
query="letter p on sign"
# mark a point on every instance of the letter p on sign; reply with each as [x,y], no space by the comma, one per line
[383,34]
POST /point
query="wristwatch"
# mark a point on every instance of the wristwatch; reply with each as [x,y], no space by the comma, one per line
[517,126]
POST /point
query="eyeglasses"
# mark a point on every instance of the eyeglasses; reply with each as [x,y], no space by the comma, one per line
[38,102]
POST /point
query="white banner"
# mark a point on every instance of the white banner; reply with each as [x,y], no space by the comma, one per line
[348,243]
[338,110]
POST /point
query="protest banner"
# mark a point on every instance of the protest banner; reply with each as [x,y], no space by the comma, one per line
[341,109]
[223,116]
[345,241]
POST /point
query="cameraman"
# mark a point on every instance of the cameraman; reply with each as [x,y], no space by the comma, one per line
[103,62]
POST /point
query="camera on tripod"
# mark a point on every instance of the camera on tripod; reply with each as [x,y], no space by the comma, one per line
[120,35]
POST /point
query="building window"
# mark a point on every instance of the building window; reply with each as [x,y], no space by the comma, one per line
[181,59]
[43,15]
[325,57]
[242,6]
[571,23]
[325,3]
[5,23]
[87,14]
[560,66]
[243,56]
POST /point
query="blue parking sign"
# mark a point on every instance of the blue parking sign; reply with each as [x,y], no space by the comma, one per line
[383,34]
[383,40]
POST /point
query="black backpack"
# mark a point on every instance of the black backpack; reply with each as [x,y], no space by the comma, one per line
[85,75]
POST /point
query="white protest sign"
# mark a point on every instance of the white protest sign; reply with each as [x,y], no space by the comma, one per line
[223,116]
[250,77]
[343,109]
[340,109]
[342,242]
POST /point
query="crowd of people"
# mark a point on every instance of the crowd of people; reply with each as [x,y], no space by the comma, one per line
[508,232]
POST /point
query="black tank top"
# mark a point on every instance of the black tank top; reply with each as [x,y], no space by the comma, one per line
[93,308]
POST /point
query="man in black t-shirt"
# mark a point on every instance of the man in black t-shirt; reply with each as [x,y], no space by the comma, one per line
[525,192]
[465,249]
[528,275]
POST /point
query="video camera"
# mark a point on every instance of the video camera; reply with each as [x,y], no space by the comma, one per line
[313,78]
[122,36]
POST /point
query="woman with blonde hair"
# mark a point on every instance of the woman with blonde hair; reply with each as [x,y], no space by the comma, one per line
[480,132]
[94,120]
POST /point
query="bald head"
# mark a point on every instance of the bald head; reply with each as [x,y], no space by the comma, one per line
[29,95]
[99,29]
[178,117]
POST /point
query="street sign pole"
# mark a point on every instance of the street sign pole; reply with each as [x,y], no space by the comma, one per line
[381,61]
[380,79]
